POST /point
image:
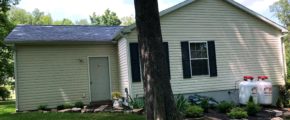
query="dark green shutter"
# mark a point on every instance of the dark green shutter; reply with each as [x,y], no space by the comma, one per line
[166,51]
[185,59]
[135,63]
[212,58]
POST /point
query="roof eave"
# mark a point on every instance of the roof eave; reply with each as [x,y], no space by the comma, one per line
[12,42]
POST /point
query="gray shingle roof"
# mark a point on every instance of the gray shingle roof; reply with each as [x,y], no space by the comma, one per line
[62,33]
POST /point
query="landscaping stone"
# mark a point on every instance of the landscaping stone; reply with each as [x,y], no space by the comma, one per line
[278,113]
[76,109]
[65,110]
[45,111]
[138,111]
[286,114]
[277,118]
[101,108]
[275,113]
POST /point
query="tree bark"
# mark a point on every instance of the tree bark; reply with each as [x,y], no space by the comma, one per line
[159,99]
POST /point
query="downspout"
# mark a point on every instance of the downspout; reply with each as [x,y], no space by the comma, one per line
[283,57]
[16,78]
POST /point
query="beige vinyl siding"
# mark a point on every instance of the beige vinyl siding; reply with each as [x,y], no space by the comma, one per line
[245,45]
[55,74]
[124,65]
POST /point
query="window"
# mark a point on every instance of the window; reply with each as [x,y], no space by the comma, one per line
[199,58]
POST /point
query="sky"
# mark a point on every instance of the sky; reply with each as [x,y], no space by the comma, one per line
[81,9]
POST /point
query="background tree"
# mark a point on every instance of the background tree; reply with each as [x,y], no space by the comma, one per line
[281,9]
[64,21]
[19,16]
[6,63]
[40,18]
[159,100]
[82,22]
[109,18]
[127,20]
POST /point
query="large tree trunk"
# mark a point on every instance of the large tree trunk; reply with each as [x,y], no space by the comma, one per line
[159,99]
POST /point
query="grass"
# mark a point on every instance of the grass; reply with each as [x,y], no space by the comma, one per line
[7,112]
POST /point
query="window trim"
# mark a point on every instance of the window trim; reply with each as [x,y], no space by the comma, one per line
[190,59]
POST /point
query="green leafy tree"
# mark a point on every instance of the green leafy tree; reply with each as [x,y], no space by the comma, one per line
[127,20]
[40,18]
[82,22]
[109,18]
[64,21]
[281,9]
[6,64]
[19,16]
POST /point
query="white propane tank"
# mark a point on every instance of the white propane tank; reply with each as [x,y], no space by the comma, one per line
[264,91]
[247,88]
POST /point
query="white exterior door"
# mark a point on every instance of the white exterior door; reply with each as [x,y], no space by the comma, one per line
[99,78]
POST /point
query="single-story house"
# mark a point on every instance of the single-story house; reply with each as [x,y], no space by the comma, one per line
[210,45]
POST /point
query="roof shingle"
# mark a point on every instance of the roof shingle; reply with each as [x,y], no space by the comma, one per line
[62,33]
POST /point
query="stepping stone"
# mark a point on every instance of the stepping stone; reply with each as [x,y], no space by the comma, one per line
[101,108]
[277,118]
[118,108]
[76,109]
[286,114]
[138,111]
[65,110]
[275,113]
[278,113]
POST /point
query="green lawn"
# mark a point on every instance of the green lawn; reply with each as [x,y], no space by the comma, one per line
[7,112]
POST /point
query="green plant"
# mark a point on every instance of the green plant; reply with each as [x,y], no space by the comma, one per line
[42,107]
[137,103]
[181,103]
[284,96]
[67,106]
[252,108]
[4,93]
[116,95]
[205,105]
[194,111]
[225,106]
[60,107]
[237,113]
[79,104]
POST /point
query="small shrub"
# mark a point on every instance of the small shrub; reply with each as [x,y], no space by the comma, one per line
[4,93]
[237,113]
[137,103]
[79,104]
[42,107]
[225,107]
[252,108]
[205,105]
[194,111]
[67,106]
[116,95]
[60,107]
[181,104]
